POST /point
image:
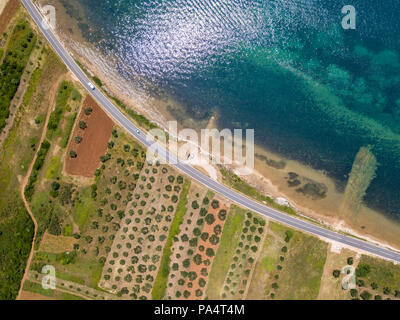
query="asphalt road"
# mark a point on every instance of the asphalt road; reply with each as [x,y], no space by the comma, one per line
[238,198]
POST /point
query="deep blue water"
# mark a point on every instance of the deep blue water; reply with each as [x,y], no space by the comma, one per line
[312,91]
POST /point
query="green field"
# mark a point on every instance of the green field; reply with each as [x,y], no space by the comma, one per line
[63,94]
[54,168]
[384,274]
[84,207]
[290,266]
[303,266]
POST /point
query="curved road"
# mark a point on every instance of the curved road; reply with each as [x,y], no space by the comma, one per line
[238,198]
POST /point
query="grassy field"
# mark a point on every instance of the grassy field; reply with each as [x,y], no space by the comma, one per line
[84,207]
[226,250]
[302,270]
[379,276]
[290,266]
[33,82]
[54,168]
[331,287]
[63,95]
[68,129]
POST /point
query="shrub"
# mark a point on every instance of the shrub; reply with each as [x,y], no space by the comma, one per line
[78,140]
[88,111]
[202,283]
[66,257]
[196,232]
[73,154]
[365,295]
[222,215]
[82,125]
[354,293]
[210,219]
[214,239]
[210,252]
[288,235]
[363,270]
[55,226]
[386,290]
[217,229]
[336,273]
[195,205]
[197,259]
[55,186]
[204,236]
[215,204]
[186,263]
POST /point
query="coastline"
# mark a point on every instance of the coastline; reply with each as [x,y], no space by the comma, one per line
[267,179]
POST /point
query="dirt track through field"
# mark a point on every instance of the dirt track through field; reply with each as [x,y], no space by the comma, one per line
[26,179]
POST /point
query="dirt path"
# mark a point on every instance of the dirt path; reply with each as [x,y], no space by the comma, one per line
[53,93]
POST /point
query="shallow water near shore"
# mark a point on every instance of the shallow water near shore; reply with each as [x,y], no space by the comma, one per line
[314,93]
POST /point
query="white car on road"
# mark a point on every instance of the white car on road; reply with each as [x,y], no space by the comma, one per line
[91,86]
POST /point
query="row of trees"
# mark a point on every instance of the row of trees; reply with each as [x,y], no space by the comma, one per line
[19,50]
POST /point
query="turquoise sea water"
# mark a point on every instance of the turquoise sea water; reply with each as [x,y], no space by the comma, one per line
[312,91]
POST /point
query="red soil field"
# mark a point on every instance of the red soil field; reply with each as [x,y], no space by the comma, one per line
[207,244]
[7,14]
[94,141]
[25,295]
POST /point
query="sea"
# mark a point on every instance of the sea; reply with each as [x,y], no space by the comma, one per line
[313,91]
